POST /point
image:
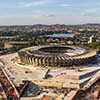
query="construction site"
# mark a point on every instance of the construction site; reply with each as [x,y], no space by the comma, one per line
[50,73]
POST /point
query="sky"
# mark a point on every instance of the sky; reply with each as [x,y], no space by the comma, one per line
[28,12]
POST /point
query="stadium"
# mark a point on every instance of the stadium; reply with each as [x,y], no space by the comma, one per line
[56,55]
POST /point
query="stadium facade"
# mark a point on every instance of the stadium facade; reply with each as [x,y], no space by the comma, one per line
[56,55]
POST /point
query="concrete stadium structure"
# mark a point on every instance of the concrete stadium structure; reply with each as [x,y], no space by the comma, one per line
[56,55]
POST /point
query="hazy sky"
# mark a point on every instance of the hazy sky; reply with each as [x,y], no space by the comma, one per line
[14,12]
